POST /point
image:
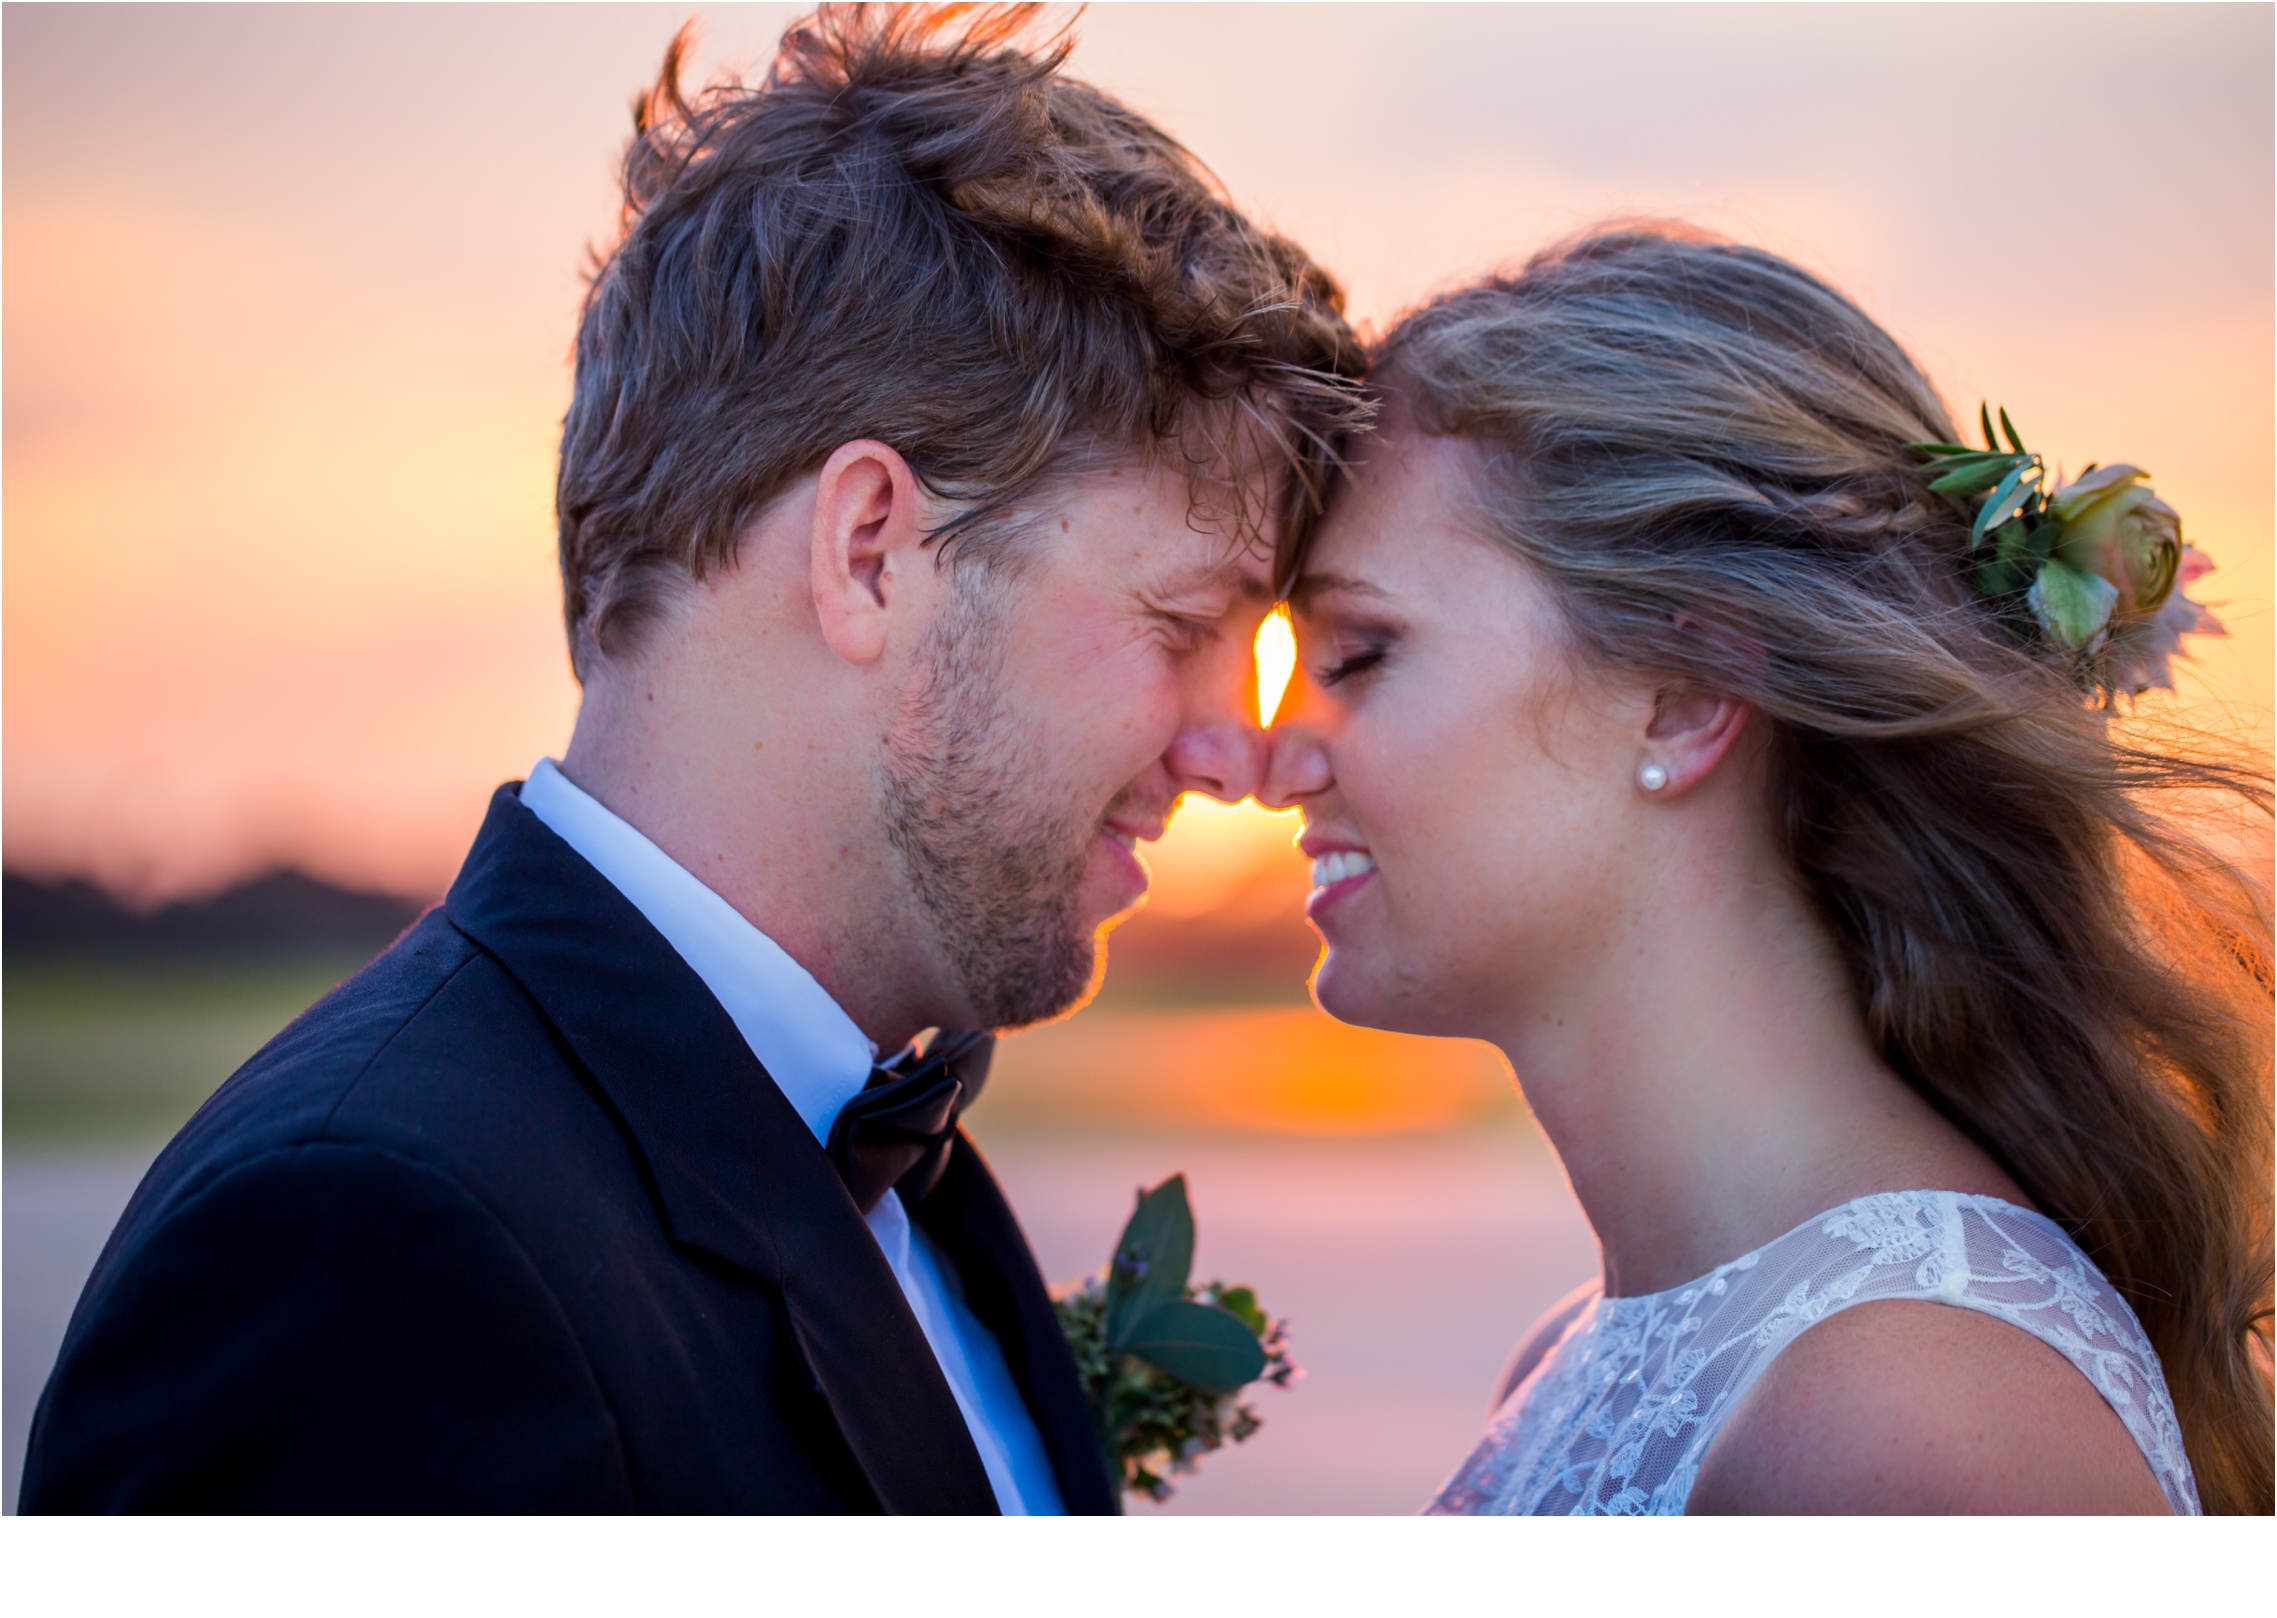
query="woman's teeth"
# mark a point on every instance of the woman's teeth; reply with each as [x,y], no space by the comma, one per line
[1332,868]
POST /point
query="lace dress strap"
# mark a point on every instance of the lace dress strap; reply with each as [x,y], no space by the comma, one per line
[1616,1418]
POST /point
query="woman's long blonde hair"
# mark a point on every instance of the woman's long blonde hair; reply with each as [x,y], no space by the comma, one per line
[1700,448]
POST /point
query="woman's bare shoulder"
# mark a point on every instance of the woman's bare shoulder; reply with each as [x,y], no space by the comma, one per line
[1915,1407]
[1540,1338]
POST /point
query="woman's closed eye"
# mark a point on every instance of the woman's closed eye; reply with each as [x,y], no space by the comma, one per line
[1358,659]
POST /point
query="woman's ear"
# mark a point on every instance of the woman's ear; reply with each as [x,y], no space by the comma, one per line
[1690,732]
[868,529]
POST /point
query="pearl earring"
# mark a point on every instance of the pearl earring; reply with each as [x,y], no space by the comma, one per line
[1652,777]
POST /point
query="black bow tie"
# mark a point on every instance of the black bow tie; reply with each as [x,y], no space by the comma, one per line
[897,1134]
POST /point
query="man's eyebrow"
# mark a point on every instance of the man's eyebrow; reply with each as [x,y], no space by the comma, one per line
[1248,587]
[1312,586]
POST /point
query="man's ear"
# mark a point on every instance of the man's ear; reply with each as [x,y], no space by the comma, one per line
[1691,730]
[868,529]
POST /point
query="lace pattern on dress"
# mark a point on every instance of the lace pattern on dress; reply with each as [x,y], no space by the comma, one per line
[1617,1416]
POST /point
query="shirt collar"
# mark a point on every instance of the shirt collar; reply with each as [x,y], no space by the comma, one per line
[814,1052]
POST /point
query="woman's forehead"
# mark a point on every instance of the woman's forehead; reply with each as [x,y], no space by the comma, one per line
[1320,583]
[1398,516]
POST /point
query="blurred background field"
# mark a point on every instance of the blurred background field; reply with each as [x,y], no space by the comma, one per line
[289,293]
[120,1021]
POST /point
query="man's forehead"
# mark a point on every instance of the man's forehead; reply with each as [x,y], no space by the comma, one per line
[1212,563]
[1177,533]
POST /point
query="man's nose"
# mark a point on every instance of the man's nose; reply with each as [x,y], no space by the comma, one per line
[1220,750]
[1221,753]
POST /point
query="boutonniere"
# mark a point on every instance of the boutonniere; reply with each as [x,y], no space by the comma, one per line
[1163,1361]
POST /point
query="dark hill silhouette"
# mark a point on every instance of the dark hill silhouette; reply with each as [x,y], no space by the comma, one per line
[1254,946]
[280,912]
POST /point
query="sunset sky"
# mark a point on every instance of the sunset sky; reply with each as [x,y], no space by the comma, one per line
[289,295]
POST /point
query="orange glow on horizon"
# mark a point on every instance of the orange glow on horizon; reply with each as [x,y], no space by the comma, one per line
[1213,851]
[1273,1069]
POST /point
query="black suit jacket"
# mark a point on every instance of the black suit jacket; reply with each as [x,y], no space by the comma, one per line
[513,1220]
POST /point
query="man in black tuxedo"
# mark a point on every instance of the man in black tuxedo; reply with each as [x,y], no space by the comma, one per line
[930,417]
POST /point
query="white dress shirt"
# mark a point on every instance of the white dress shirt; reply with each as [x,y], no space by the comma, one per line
[820,1061]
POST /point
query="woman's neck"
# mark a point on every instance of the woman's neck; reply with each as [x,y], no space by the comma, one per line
[1709,1084]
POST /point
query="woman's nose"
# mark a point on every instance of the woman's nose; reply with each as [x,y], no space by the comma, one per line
[1296,765]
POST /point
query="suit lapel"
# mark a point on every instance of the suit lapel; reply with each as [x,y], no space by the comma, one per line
[736,1171]
[968,1218]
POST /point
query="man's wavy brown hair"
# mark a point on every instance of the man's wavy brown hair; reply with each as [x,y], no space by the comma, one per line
[915,229]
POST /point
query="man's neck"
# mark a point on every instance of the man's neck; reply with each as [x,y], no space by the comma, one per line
[786,845]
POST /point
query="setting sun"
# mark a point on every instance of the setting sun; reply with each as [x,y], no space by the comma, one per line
[1276,661]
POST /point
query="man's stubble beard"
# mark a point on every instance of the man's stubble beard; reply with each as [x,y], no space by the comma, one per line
[996,862]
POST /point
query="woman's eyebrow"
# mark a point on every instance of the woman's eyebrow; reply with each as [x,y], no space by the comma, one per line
[1312,586]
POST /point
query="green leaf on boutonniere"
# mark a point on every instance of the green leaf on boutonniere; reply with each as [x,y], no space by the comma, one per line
[1199,1344]
[1939,450]
[2072,605]
[2008,427]
[1152,1259]
[1984,417]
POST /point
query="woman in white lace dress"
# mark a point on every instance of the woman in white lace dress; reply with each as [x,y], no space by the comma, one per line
[1775,812]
